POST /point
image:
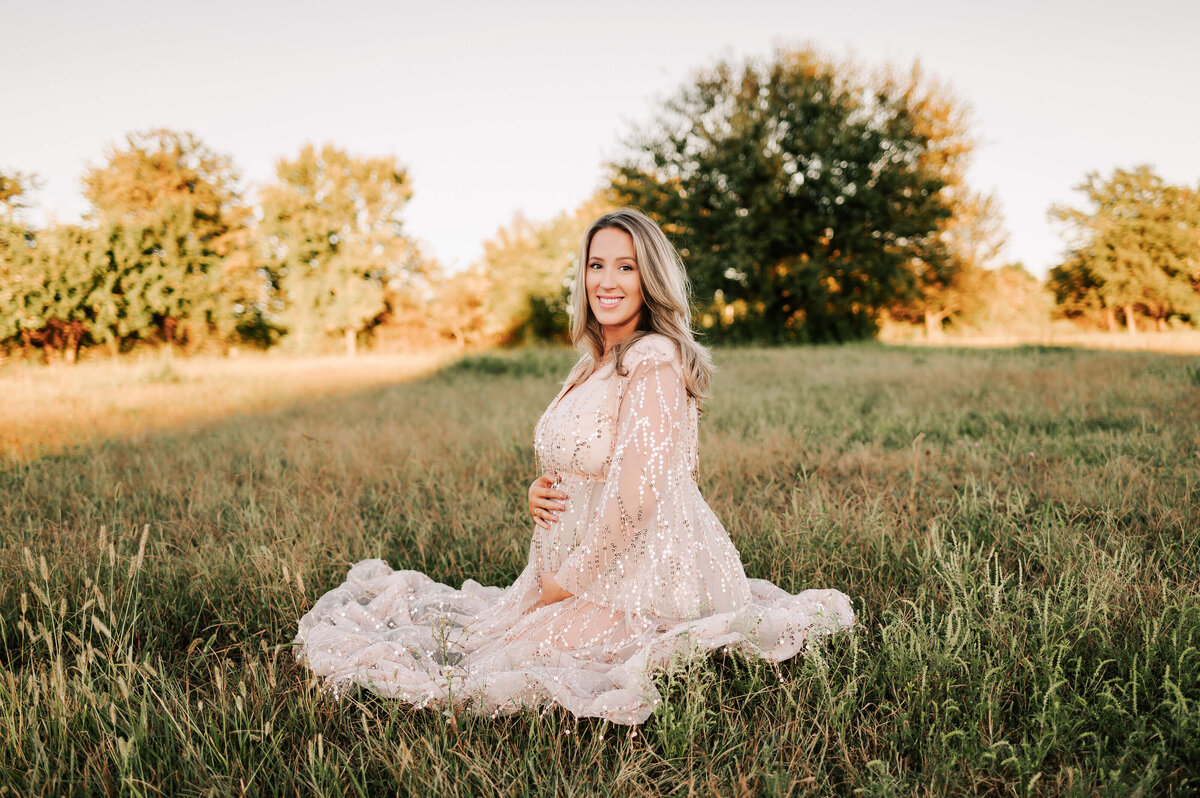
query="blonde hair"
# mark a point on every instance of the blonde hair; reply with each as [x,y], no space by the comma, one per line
[665,298]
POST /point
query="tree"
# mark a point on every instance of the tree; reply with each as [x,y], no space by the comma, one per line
[803,195]
[528,267]
[333,236]
[973,237]
[15,188]
[461,306]
[46,282]
[168,213]
[1011,300]
[46,277]
[1134,246]
[15,242]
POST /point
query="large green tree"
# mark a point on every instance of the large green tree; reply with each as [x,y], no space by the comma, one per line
[169,220]
[333,239]
[1134,246]
[805,195]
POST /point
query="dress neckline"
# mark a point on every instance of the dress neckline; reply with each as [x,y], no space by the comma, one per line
[567,389]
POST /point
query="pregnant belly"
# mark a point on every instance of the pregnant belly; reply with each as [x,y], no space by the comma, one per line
[552,546]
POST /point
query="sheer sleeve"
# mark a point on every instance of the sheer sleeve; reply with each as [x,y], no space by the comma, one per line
[634,553]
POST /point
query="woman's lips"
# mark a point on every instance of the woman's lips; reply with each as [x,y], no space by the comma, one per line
[609,302]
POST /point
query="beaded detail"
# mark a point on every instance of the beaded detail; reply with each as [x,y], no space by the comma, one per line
[651,570]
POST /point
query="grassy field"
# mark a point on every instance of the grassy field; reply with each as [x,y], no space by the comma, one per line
[1018,529]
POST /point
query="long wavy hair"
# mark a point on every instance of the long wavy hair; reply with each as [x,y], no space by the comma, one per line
[665,297]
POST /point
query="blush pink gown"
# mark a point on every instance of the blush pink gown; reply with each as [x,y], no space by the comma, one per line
[652,572]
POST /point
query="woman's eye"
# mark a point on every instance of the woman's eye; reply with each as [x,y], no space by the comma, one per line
[626,266]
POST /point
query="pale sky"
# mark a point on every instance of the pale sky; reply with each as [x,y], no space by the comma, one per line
[496,109]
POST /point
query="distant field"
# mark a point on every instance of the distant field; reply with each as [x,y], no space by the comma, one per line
[47,409]
[1184,342]
[1018,528]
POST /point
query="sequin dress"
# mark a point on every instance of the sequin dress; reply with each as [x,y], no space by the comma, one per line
[651,571]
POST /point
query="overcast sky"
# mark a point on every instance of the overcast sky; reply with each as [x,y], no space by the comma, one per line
[496,109]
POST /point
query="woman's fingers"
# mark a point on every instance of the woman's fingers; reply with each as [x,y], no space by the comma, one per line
[545,501]
[542,515]
[549,480]
[549,504]
[552,496]
[548,499]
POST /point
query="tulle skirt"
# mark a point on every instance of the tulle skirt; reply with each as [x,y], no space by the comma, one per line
[492,650]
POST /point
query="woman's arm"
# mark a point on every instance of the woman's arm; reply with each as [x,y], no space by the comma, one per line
[648,471]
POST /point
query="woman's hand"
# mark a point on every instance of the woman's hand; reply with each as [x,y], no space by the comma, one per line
[545,500]
[551,592]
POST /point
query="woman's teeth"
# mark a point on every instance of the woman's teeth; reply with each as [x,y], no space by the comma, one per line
[606,302]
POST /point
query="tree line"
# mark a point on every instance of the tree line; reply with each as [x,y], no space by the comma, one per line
[170,252]
[811,198]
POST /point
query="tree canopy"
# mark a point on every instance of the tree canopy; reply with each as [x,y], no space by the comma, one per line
[167,216]
[333,239]
[528,266]
[810,198]
[805,196]
[1135,245]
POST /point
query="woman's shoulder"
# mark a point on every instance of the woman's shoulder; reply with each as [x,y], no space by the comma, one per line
[652,349]
[655,345]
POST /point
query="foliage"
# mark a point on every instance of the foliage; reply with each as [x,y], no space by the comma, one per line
[46,278]
[461,302]
[1008,299]
[49,286]
[333,239]
[528,267]
[805,196]
[1135,245]
[960,290]
[171,232]
[15,188]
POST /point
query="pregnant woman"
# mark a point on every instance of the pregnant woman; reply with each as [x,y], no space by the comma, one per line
[627,564]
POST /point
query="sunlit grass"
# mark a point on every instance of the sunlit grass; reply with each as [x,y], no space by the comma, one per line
[50,408]
[1017,528]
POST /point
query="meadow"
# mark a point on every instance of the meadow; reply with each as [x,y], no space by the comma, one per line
[1017,527]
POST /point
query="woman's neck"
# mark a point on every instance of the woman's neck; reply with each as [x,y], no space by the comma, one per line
[615,335]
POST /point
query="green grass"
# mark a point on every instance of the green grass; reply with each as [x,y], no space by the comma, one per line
[1017,528]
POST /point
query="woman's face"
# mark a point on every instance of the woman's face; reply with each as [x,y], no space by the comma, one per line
[614,283]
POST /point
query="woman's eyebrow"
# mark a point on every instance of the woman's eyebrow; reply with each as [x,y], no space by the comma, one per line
[621,257]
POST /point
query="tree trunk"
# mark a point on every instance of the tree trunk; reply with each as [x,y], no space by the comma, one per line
[72,349]
[933,325]
[1160,324]
[351,342]
[1130,321]
[1110,318]
[168,329]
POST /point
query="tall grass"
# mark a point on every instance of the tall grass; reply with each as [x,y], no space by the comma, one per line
[1018,529]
